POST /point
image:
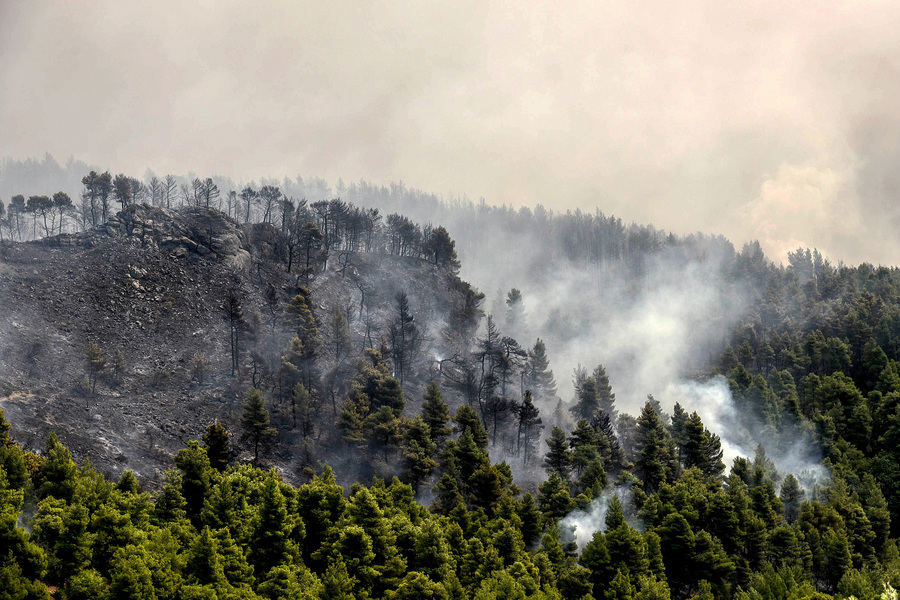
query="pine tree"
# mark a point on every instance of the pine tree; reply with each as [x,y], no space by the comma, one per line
[584,443]
[307,328]
[485,487]
[373,387]
[336,581]
[388,566]
[128,483]
[255,423]
[515,311]
[658,408]
[193,462]
[554,497]
[96,360]
[677,543]
[539,376]
[448,495]
[679,420]
[654,555]
[530,426]
[339,338]
[714,454]
[441,247]
[595,557]
[655,450]
[465,457]
[234,312]
[587,405]
[216,442]
[63,531]
[621,588]
[605,393]
[611,451]
[791,498]
[302,409]
[406,338]
[12,459]
[4,430]
[418,452]
[382,431]
[531,520]
[694,448]
[234,563]
[119,364]
[558,459]
[86,585]
[130,575]
[353,415]
[436,415]
[270,542]
[466,419]
[626,546]
[57,472]
[204,562]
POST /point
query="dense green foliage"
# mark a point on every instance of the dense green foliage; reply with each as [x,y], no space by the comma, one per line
[242,532]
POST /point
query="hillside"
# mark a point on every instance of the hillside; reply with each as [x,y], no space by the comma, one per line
[731,428]
[153,285]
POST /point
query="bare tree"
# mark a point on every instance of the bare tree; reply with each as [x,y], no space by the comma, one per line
[269,196]
[156,191]
[169,189]
[231,205]
[249,196]
[96,362]
[207,193]
[14,214]
[139,191]
[234,312]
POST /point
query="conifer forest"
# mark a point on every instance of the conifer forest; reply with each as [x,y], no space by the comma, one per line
[282,391]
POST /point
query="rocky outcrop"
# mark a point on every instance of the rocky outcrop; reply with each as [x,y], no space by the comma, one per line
[194,232]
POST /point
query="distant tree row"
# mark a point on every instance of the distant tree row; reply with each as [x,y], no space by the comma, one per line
[48,216]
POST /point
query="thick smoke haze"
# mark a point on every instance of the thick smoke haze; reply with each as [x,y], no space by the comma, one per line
[754,120]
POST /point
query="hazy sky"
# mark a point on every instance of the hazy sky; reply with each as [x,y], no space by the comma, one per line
[744,118]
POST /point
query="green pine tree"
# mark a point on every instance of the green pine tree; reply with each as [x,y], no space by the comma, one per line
[559,458]
[436,415]
[216,442]
[255,423]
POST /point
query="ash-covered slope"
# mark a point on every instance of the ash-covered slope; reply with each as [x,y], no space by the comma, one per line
[150,291]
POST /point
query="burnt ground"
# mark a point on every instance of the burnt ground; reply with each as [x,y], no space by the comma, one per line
[152,285]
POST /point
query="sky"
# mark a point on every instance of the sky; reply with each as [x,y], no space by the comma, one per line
[757,120]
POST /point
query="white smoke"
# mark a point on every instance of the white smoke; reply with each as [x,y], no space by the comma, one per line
[713,401]
[740,435]
[581,525]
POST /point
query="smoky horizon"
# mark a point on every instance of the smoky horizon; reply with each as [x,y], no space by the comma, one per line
[755,122]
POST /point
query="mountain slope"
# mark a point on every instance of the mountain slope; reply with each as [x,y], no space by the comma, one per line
[152,285]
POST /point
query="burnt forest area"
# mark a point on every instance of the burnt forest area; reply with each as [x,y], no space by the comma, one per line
[284,390]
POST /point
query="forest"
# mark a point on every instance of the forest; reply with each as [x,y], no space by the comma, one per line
[388,443]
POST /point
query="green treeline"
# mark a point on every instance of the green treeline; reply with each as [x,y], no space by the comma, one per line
[218,529]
